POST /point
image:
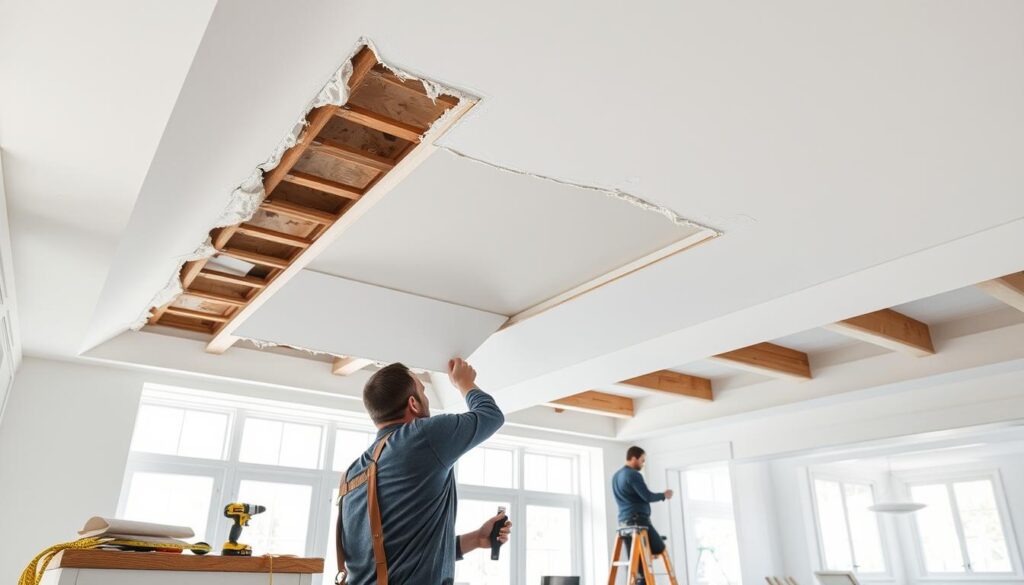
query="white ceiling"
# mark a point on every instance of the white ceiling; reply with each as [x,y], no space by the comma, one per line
[467,233]
[955,304]
[856,155]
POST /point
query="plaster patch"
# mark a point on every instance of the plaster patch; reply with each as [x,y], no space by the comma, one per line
[668,213]
[246,198]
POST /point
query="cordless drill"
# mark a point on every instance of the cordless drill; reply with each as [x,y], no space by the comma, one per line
[240,513]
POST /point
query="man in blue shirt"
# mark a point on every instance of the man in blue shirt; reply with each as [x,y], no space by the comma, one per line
[414,483]
[634,499]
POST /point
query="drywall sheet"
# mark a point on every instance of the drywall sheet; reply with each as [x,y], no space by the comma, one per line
[345,317]
[500,241]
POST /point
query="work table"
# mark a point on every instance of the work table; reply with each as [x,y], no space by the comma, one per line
[101,567]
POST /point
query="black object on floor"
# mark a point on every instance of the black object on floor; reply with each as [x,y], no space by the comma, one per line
[559,581]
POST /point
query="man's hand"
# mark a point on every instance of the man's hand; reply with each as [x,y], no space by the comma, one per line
[462,375]
[481,537]
[668,494]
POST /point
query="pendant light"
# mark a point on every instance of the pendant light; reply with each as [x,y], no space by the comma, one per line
[896,507]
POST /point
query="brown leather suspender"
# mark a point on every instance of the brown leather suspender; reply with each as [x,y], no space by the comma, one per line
[369,477]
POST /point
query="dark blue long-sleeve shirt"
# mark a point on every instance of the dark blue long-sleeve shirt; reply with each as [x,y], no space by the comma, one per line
[631,493]
[416,491]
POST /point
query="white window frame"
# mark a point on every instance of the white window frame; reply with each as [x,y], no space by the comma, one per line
[693,509]
[948,478]
[886,575]
[518,498]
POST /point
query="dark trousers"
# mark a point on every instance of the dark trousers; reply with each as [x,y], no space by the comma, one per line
[657,542]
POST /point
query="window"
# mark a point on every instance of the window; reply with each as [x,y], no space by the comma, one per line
[962,528]
[712,552]
[848,533]
[273,442]
[488,466]
[543,503]
[179,431]
[192,453]
[166,498]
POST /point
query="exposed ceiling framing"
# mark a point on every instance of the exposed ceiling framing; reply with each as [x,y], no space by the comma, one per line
[346,158]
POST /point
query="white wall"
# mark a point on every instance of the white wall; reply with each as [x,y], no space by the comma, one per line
[64,444]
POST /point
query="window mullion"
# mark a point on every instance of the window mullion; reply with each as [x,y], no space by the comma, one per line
[846,523]
[954,507]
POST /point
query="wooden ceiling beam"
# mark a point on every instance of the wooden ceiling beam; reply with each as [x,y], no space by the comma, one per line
[255,258]
[353,155]
[323,185]
[594,402]
[274,236]
[298,211]
[216,297]
[674,383]
[370,119]
[889,329]
[249,281]
[189,313]
[346,366]
[770,360]
[414,85]
[1008,289]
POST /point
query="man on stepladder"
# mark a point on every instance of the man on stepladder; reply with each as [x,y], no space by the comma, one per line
[397,520]
[634,499]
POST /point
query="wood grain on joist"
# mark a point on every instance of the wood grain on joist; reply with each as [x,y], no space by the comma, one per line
[216,297]
[769,359]
[274,236]
[365,117]
[324,185]
[346,366]
[298,211]
[254,258]
[674,383]
[414,85]
[890,330]
[181,312]
[216,275]
[1008,289]
[595,402]
[352,155]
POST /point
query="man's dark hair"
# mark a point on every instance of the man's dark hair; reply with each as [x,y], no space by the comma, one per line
[634,452]
[387,392]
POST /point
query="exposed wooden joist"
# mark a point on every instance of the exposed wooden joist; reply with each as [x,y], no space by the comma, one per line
[417,87]
[249,281]
[253,257]
[674,383]
[769,359]
[316,121]
[890,330]
[298,211]
[182,312]
[365,117]
[273,236]
[352,155]
[187,325]
[215,297]
[384,181]
[346,366]
[594,402]
[1008,289]
[324,185]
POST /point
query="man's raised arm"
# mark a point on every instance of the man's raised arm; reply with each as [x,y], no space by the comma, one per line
[452,435]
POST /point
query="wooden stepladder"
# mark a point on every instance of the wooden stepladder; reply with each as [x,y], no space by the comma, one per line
[640,557]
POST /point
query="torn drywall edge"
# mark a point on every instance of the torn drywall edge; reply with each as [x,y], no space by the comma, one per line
[614,193]
[247,197]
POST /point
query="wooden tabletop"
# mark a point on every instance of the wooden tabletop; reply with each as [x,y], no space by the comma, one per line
[155,561]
